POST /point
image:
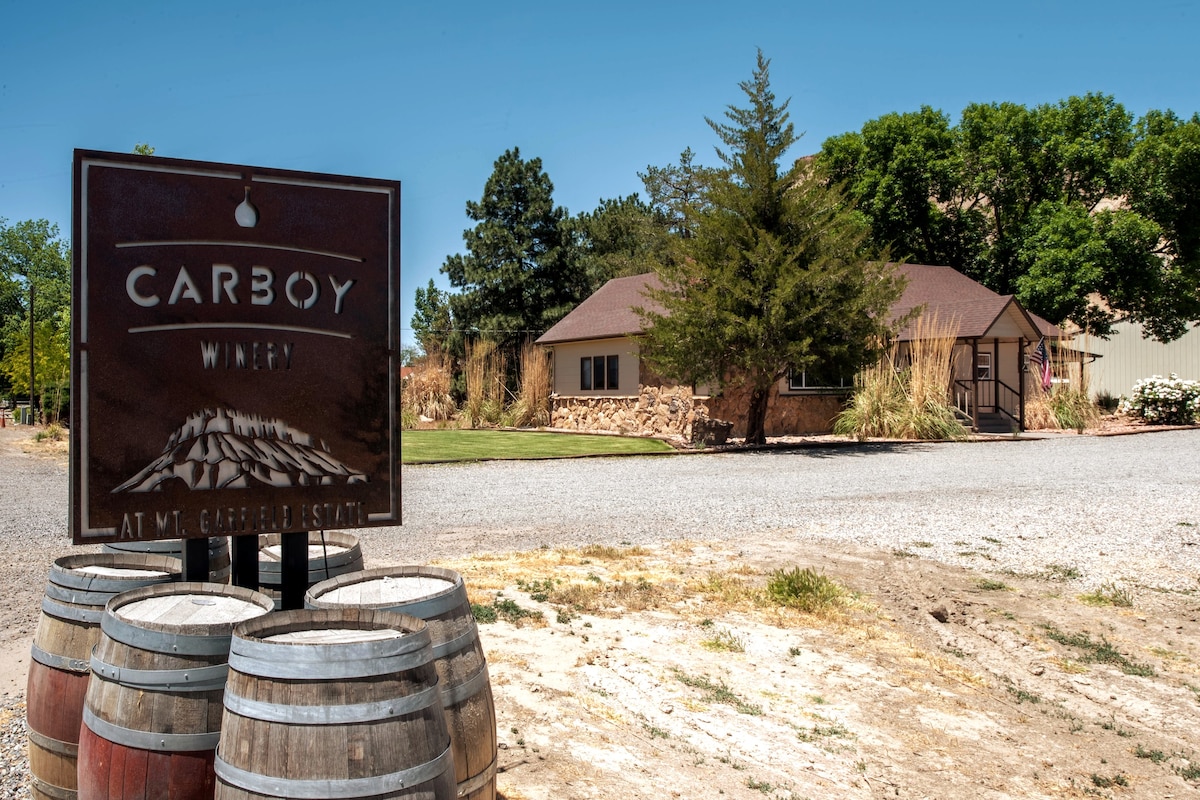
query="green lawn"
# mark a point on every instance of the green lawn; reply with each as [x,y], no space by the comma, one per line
[419,447]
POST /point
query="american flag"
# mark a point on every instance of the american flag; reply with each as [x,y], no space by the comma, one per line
[1041,358]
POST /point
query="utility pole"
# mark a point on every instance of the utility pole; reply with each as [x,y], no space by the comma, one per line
[32,407]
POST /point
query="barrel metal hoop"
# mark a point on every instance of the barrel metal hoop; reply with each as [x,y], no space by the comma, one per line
[476,782]
[52,791]
[331,715]
[331,788]
[328,670]
[460,642]
[433,606]
[149,740]
[79,597]
[193,679]
[453,695]
[121,631]
[56,661]
[91,582]
[90,616]
[56,746]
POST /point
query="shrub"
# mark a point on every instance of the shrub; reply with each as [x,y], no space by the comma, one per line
[804,589]
[1167,401]
[1107,402]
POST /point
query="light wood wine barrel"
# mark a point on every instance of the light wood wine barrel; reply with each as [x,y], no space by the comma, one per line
[438,596]
[349,695]
[219,562]
[76,591]
[152,714]
[330,554]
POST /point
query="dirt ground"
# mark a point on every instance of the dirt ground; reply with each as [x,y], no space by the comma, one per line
[622,672]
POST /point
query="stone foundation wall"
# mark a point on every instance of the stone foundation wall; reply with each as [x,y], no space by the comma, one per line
[787,414]
[666,411]
[671,411]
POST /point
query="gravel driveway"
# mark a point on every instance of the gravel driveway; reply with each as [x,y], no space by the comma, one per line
[1124,507]
[1111,508]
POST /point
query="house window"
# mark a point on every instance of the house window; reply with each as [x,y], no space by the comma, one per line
[983,367]
[599,372]
[817,380]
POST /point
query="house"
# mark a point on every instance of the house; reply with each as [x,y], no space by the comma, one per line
[601,383]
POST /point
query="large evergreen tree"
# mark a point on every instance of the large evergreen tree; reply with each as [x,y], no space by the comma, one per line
[520,274]
[774,276]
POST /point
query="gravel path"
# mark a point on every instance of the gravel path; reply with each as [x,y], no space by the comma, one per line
[1093,509]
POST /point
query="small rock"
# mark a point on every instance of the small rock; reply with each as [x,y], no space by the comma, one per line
[1037,669]
[667,708]
[940,614]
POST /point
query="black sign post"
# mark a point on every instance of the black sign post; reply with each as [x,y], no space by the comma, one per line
[235,353]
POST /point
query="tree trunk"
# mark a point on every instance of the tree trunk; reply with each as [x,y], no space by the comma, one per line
[756,416]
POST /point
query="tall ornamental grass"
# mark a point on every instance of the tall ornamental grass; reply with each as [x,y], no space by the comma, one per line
[532,406]
[911,400]
[425,393]
[484,373]
[1066,406]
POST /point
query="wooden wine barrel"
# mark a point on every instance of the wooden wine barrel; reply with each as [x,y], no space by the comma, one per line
[219,562]
[330,553]
[438,596]
[350,695]
[152,714]
[76,591]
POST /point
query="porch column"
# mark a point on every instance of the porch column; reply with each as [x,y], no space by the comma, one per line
[1021,379]
[975,384]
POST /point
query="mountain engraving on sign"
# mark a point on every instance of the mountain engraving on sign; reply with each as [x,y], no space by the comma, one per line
[226,449]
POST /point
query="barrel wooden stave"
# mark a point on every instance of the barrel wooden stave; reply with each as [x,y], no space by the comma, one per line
[289,750]
[130,746]
[468,703]
[67,631]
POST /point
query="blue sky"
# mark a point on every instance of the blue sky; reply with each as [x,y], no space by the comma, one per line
[431,94]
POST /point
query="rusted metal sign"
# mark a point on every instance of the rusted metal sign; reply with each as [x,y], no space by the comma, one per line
[235,350]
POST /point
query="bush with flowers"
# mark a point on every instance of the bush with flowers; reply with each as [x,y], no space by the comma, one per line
[1164,401]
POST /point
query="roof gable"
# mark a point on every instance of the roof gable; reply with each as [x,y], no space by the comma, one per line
[608,312]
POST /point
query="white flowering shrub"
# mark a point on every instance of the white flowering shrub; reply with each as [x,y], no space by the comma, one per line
[1166,401]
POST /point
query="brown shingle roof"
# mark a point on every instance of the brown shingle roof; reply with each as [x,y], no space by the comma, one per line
[951,294]
[608,312]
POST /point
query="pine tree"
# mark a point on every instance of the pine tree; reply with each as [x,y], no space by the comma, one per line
[775,277]
[520,274]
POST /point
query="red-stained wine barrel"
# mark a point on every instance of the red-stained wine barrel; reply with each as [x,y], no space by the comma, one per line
[349,695]
[219,562]
[152,714]
[438,596]
[76,592]
[330,553]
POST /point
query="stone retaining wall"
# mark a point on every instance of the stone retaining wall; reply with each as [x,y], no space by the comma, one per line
[671,411]
[666,411]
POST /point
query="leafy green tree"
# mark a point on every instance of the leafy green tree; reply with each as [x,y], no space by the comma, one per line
[520,274]
[774,275]
[33,255]
[1069,206]
[143,149]
[1161,179]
